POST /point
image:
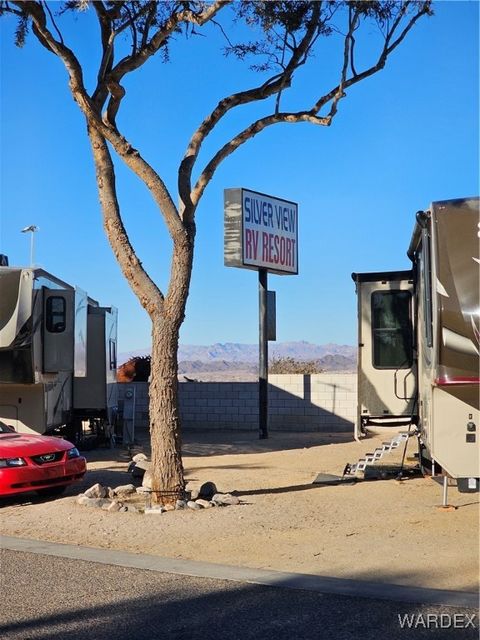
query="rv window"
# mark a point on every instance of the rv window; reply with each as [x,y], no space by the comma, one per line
[56,314]
[391,330]
[113,354]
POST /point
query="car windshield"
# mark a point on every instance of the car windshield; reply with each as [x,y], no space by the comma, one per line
[5,428]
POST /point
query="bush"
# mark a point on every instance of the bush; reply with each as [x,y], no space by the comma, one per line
[292,365]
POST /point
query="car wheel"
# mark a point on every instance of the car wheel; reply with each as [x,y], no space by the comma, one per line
[51,491]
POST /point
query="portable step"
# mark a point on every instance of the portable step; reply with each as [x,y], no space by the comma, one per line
[372,457]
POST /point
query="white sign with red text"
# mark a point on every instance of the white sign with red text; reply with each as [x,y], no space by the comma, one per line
[261,232]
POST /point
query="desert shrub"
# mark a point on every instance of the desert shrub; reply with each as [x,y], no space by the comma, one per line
[288,364]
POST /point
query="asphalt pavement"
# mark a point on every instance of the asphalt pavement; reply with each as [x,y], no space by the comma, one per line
[50,596]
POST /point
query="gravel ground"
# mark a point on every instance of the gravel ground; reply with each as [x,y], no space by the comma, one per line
[377,531]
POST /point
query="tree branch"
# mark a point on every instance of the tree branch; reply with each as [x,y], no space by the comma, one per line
[107,36]
[149,295]
[45,4]
[130,63]
[247,134]
[148,22]
[124,149]
[338,92]
[138,58]
[335,95]
[274,85]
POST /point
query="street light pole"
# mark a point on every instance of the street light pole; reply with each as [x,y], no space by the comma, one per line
[31,229]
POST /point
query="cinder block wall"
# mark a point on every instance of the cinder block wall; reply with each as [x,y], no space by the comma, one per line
[320,402]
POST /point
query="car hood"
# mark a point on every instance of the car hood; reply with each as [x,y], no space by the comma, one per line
[24,444]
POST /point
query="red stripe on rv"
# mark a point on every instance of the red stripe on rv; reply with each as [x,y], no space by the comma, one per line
[445,381]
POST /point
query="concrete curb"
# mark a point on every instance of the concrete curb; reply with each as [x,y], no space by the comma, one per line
[338,586]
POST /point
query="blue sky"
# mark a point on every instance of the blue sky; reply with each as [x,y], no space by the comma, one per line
[401,139]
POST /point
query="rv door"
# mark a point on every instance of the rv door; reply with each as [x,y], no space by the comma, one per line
[58,333]
[386,369]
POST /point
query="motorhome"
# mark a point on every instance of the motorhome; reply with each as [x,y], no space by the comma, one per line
[418,347]
[57,356]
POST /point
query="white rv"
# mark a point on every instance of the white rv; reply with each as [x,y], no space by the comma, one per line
[418,355]
[57,356]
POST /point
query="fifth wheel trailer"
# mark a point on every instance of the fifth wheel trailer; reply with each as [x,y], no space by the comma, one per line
[57,357]
[418,354]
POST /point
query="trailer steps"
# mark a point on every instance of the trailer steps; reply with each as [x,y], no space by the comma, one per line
[377,454]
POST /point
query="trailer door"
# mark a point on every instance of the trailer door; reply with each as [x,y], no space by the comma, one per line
[58,333]
[386,369]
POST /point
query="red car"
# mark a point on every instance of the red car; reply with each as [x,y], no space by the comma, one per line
[30,462]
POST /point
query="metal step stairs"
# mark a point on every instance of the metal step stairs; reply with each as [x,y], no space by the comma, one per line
[378,453]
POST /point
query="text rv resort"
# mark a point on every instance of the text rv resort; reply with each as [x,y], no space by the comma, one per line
[261,232]
[270,232]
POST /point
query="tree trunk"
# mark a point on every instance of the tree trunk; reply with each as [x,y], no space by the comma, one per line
[168,482]
[166,314]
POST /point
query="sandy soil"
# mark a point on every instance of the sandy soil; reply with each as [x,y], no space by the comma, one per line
[377,530]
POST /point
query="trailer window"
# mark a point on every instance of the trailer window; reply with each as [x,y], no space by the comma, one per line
[391,330]
[56,314]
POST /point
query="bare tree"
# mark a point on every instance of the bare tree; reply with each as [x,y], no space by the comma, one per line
[286,35]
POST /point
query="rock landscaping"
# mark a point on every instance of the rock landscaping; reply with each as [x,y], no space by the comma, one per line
[126,497]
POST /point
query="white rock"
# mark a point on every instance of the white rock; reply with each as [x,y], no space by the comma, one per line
[124,489]
[147,480]
[142,490]
[113,506]
[205,504]
[97,491]
[225,498]
[92,502]
[180,504]
[131,508]
[143,465]
[194,505]
[154,510]
[139,456]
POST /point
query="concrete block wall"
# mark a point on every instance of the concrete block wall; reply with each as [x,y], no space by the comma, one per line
[320,402]
[317,402]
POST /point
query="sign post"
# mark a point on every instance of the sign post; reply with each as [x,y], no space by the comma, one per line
[261,233]
[262,355]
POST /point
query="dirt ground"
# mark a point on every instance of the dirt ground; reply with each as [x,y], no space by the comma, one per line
[382,530]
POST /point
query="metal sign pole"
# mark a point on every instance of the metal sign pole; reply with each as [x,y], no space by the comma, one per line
[263,355]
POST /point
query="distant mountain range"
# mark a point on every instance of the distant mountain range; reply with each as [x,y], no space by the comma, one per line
[234,355]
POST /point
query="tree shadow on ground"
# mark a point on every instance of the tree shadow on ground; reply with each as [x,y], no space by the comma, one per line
[103,602]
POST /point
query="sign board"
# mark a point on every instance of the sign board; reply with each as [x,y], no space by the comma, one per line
[271,316]
[261,232]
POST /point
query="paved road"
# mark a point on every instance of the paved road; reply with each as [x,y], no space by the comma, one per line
[43,596]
